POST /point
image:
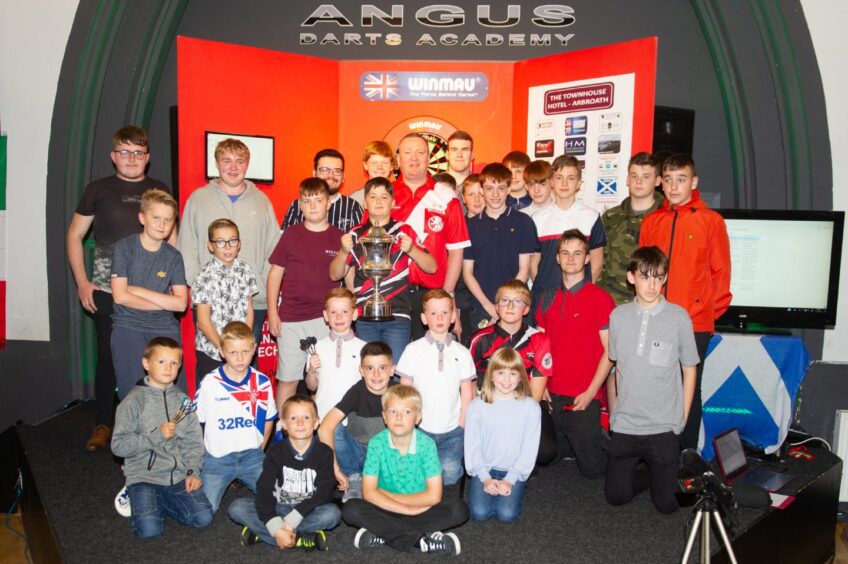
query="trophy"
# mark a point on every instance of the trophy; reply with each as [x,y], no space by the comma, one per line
[376,265]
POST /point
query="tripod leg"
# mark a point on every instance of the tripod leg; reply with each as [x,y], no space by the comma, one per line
[699,515]
[705,538]
[724,539]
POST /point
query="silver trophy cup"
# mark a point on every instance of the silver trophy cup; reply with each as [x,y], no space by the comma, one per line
[376,265]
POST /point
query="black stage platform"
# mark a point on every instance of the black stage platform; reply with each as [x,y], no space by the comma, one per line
[68,512]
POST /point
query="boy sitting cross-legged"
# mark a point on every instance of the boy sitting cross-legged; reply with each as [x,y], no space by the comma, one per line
[402,503]
[294,494]
[236,405]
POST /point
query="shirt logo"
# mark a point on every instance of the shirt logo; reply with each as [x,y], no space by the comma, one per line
[547,361]
[435,224]
[161,274]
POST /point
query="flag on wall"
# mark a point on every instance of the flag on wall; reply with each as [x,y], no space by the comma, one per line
[3,241]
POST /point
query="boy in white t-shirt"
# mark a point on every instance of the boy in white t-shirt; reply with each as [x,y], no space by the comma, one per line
[236,405]
[334,367]
[442,371]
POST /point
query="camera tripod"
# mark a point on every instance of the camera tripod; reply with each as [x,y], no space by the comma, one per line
[705,508]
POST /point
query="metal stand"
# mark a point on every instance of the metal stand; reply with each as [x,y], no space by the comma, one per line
[704,509]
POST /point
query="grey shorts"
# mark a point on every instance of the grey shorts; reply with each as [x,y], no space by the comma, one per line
[291,361]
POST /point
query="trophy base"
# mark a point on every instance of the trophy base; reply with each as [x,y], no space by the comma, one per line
[377,312]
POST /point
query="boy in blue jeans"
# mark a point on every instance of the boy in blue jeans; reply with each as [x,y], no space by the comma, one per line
[362,405]
[236,405]
[294,494]
[405,250]
[442,371]
[402,503]
[148,287]
[162,456]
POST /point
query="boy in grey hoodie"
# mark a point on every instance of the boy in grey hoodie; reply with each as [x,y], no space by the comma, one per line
[163,454]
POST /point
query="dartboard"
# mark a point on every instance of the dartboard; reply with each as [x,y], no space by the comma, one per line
[438,149]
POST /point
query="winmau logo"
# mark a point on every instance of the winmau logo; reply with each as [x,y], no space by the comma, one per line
[424,86]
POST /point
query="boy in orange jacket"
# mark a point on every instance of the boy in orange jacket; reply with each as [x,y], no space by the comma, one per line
[696,242]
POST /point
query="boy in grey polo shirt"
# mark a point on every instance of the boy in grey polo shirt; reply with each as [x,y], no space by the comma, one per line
[650,340]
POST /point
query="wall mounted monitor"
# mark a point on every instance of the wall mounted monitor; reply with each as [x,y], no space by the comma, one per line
[261,167]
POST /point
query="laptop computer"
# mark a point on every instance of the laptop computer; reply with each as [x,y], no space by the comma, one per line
[734,464]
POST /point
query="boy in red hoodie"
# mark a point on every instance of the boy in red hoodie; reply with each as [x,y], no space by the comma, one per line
[696,242]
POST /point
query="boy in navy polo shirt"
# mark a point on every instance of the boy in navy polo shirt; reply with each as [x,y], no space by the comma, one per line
[502,243]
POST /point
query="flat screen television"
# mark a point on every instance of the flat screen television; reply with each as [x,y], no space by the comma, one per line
[785,268]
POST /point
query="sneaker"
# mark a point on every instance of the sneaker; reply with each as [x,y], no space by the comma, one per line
[312,541]
[366,539]
[122,503]
[440,543]
[99,438]
[248,538]
[354,488]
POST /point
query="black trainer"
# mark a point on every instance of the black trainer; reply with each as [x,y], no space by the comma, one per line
[312,541]
[248,538]
[366,539]
[440,543]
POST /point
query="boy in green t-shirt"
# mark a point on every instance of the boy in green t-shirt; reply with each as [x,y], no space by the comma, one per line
[401,501]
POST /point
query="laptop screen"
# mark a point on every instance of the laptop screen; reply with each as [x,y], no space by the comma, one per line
[731,455]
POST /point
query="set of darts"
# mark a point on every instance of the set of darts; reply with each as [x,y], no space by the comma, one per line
[186,407]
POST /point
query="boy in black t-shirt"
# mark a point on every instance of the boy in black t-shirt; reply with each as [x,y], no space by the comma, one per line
[294,493]
[363,408]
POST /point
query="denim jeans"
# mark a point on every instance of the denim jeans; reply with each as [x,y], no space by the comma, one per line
[451,447]
[324,517]
[218,472]
[483,506]
[349,454]
[395,333]
[151,503]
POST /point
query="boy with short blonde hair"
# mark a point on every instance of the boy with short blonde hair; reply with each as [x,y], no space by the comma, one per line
[402,486]
[236,404]
[442,370]
[148,286]
[162,456]
[293,505]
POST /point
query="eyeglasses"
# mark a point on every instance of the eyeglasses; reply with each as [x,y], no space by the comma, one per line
[514,302]
[221,243]
[125,153]
[333,171]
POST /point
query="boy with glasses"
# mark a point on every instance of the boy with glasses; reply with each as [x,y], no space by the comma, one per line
[513,304]
[223,292]
[345,213]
